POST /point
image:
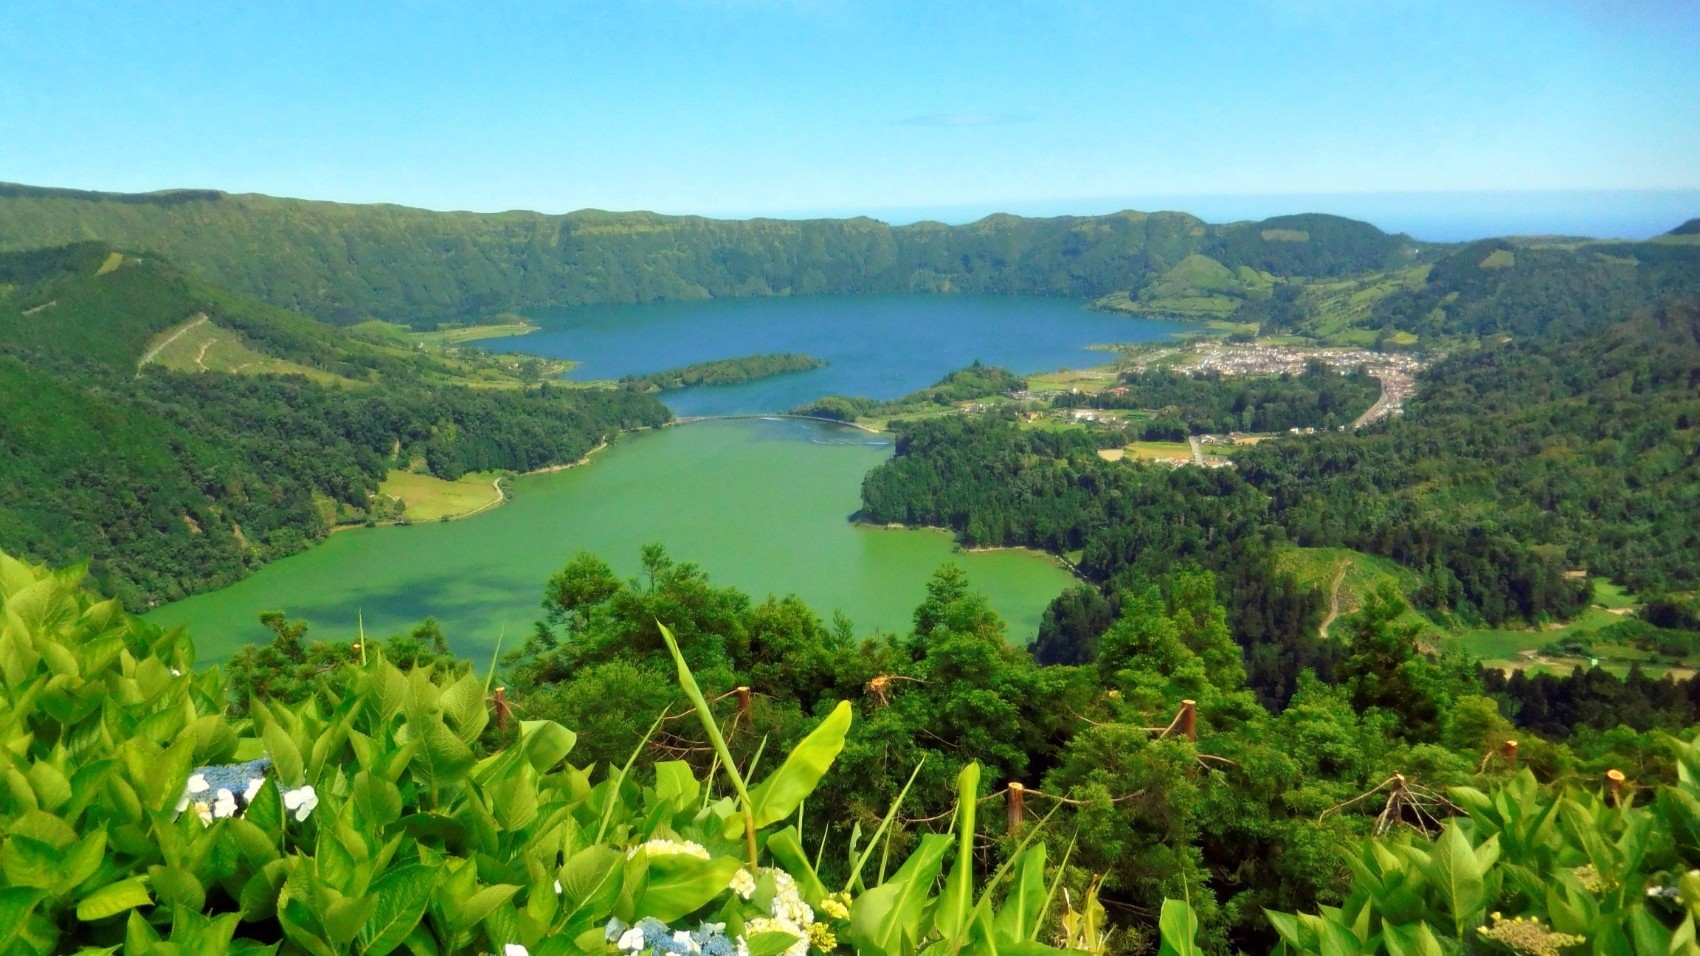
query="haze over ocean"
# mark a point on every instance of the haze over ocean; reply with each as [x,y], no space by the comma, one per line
[1431,216]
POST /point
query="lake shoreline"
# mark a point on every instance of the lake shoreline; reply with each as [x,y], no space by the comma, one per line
[1056,559]
[501,496]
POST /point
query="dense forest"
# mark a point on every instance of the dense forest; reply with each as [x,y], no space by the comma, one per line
[1144,785]
[344,263]
[1183,404]
[171,482]
[730,371]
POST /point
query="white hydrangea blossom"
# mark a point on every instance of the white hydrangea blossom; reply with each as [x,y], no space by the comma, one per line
[742,883]
[788,904]
[669,848]
[630,941]
[224,804]
[301,801]
[515,949]
[253,790]
[685,943]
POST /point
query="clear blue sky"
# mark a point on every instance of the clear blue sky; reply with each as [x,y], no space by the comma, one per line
[740,107]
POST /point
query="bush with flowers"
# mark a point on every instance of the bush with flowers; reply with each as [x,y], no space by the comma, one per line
[141,817]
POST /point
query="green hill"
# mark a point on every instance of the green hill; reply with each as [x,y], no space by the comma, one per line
[125,441]
[345,263]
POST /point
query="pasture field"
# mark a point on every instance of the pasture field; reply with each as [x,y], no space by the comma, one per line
[429,498]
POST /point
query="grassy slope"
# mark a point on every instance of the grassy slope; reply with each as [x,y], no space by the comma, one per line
[1318,568]
[200,345]
[429,498]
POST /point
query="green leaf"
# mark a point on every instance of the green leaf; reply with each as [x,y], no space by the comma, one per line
[770,943]
[545,743]
[29,862]
[885,824]
[446,757]
[1410,939]
[286,757]
[480,904]
[402,894]
[777,797]
[887,918]
[951,918]
[465,709]
[1177,926]
[114,898]
[680,884]
[676,784]
[705,716]
[1456,873]
[16,905]
[1018,918]
[377,802]
[177,887]
[787,850]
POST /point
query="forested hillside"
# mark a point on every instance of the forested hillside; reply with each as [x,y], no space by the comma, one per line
[1517,465]
[173,481]
[344,263]
[386,800]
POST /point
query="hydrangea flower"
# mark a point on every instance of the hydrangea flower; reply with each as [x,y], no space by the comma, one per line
[515,949]
[651,937]
[836,906]
[224,804]
[788,904]
[301,801]
[669,848]
[743,883]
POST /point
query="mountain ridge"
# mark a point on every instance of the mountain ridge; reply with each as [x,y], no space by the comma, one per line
[345,263]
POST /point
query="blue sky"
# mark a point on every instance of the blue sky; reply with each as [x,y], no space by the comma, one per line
[741,107]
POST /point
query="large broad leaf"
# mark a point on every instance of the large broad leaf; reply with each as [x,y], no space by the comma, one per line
[1410,939]
[114,898]
[1018,918]
[545,743]
[887,918]
[680,884]
[286,756]
[16,905]
[1177,925]
[770,943]
[464,708]
[590,884]
[777,797]
[401,895]
[446,758]
[957,900]
[1456,873]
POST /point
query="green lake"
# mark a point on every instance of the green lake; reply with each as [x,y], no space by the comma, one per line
[760,505]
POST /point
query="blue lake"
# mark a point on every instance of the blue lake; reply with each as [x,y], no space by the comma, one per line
[876,346]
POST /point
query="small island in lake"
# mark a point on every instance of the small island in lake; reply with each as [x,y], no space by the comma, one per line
[730,371]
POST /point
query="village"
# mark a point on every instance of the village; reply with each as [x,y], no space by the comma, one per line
[1395,370]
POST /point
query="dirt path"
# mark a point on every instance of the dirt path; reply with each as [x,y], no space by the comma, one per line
[1334,597]
[200,360]
[148,356]
[1197,450]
